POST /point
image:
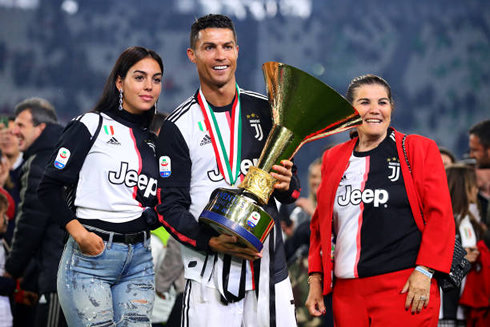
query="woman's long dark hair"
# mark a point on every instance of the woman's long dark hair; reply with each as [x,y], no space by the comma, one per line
[461,180]
[109,100]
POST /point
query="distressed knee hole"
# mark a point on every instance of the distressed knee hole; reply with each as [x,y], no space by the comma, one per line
[107,323]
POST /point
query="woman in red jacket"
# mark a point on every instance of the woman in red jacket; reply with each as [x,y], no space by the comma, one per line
[391,224]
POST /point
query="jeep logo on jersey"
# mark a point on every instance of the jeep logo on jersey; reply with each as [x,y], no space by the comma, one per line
[130,178]
[165,166]
[378,196]
[215,175]
[62,158]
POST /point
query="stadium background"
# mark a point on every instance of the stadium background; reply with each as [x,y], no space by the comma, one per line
[435,54]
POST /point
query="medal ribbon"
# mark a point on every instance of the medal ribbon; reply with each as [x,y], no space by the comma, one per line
[229,166]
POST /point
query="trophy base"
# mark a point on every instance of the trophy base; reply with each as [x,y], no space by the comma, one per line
[229,212]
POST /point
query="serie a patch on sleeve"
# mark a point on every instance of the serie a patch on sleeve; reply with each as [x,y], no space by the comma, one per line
[62,158]
[165,166]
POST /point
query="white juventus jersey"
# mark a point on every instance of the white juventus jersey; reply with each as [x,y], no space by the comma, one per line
[189,174]
[116,177]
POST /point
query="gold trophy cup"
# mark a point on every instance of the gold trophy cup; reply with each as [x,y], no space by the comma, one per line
[304,109]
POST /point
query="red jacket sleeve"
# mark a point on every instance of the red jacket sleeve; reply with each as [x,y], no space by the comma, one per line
[431,198]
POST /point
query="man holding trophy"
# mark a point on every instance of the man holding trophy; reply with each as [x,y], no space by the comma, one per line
[210,142]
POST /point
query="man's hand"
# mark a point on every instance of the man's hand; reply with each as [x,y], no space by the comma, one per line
[228,245]
[283,175]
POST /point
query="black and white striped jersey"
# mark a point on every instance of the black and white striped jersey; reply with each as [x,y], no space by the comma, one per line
[374,228]
[189,173]
[116,176]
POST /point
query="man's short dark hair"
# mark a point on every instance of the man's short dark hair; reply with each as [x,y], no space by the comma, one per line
[42,110]
[482,130]
[210,21]
[448,153]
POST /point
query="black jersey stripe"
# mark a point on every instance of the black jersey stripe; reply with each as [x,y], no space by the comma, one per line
[182,109]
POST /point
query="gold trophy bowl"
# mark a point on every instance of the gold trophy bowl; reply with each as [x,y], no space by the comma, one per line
[304,109]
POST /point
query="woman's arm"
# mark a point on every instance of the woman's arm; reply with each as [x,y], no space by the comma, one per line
[314,302]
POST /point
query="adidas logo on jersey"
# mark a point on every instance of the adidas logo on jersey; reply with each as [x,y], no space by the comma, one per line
[205,140]
[113,141]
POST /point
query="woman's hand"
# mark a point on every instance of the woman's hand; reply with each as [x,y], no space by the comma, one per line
[283,175]
[89,243]
[418,288]
[472,254]
[314,301]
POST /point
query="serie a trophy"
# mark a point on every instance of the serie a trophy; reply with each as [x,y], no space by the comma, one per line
[304,109]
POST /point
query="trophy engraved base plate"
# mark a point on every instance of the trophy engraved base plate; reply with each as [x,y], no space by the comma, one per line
[231,213]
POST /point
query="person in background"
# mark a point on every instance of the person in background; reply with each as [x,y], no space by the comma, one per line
[305,207]
[447,156]
[169,281]
[387,244]
[479,144]
[462,187]
[161,306]
[297,247]
[214,297]
[7,285]
[159,237]
[36,235]
[9,144]
[299,241]
[106,274]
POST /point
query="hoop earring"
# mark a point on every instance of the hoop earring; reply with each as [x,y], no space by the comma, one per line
[120,99]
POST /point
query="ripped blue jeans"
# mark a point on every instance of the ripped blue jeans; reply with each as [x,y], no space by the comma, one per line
[113,288]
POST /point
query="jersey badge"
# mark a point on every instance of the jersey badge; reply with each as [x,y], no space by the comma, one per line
[62,158]
[253,219]
[202,126]
[165,166]
[109,130]
[394,167]
[254,121]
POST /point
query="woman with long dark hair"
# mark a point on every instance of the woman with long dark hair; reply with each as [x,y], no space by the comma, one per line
[107,157]
[463,189]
